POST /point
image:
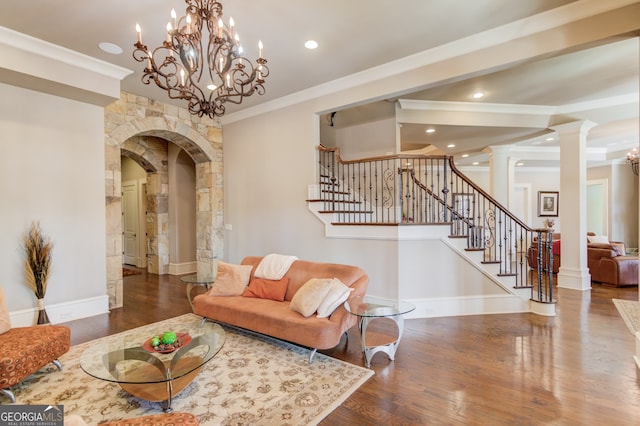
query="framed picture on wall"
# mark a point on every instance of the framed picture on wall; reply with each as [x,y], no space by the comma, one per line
[548,203]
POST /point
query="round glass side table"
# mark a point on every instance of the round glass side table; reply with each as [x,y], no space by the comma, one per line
[194,280]
[367,312]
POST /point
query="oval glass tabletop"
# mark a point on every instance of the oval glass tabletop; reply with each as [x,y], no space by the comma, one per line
[198,279]
[128,357]
[365,308]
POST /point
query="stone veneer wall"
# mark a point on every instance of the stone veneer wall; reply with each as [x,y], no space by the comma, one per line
[137,127]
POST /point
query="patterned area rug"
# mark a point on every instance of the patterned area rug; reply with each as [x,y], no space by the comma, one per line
[630,312]
[253,380]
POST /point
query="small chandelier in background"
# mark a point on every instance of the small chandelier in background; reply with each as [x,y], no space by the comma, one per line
[206,78]
[632,158]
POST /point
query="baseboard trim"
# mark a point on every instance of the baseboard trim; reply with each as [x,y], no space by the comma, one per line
[183,268]
[466,305]
[62,312]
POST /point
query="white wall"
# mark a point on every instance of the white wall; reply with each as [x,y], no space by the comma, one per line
[52,171]
[369,139]
[267,173]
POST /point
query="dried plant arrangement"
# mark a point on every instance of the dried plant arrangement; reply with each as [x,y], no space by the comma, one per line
[38,248]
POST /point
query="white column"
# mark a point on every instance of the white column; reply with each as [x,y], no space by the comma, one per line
[499,172]
[574,272]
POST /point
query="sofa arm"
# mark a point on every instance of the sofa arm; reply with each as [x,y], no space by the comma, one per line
[619,270]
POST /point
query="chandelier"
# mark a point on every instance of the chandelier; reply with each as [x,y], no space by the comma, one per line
[207,77]
[632,158]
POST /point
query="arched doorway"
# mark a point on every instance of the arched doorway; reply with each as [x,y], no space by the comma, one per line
[139,138]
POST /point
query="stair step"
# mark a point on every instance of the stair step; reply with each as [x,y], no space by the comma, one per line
[347,211]
[364,223]
[507,275]
[491,262]
[329,191]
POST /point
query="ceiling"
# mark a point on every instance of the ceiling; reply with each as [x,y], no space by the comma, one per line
[357,35]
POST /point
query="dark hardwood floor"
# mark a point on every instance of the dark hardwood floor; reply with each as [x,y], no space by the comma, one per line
[576,368]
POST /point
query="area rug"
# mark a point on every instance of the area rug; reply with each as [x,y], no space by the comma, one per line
[126,272]
[253,380]
[629,310]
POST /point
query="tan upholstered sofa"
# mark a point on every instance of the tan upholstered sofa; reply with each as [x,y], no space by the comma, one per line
[276,319]
[607,261]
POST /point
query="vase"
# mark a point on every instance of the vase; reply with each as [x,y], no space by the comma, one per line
[43,318]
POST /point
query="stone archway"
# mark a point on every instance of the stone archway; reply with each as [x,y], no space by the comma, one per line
[131,124]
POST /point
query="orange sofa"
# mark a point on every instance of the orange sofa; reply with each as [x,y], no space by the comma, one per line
[276,319]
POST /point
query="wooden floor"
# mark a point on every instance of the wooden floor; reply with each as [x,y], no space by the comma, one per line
[575,368]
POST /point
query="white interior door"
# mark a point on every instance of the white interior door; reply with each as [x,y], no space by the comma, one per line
[130,222]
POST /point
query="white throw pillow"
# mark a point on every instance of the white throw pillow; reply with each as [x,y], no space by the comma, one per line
[310,295]
[231,280]
[598,239]
[337,294]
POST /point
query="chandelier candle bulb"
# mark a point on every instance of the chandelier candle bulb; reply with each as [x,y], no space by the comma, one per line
[139,31]
[260,48]
[220,27]
[173,18]
[169,34]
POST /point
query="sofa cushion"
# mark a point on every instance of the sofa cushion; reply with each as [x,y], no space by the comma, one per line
[267,289]
[336,296]
[311,294]
[5,321]
[600,239]
[231,280]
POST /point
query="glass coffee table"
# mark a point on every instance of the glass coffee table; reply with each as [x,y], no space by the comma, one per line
[381,339]
[129,360]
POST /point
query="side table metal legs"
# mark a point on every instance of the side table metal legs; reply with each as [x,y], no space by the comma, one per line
[371,348]
[190,287]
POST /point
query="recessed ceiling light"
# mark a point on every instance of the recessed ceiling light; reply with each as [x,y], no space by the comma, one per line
[475,163]
[477,95]
[311,44]
[114,49]
[549,139]
[430,130]
[451,145]
[465,155]
[519,164]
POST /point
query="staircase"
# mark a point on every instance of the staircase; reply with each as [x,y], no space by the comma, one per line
[415,197]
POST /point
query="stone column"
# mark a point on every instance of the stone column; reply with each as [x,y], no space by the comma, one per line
[574,272]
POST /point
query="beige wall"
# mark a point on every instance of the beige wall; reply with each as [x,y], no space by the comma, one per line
[52,171]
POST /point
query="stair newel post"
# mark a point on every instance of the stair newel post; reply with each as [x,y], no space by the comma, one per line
[550,269]
[539,260]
